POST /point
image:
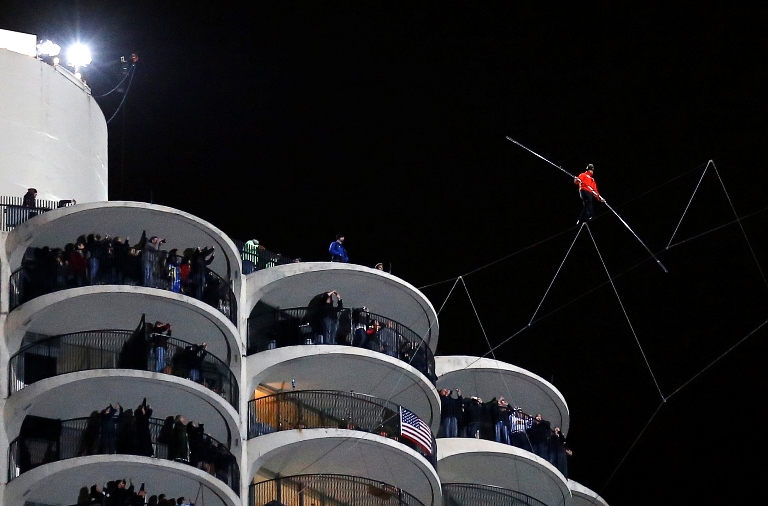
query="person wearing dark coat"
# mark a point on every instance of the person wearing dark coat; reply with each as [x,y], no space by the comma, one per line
[450,413]
[324,316]
[126,433]
[143,435]
[559,451]
[159,333]
[97,496]
[30,201]
[201,259]
[194,356]
[196,438]
[223,462]
[89,443]
[178,448]
[109,418]
[500,416]
[538,435]
[120,495]
[473,412]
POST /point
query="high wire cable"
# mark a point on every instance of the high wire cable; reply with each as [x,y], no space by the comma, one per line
[507,389]
[601,200]
[118,84]
[689,203]
[749,245]
[664,400]
[625,313]
[483,267]
[120,106]
[555,277]
[733,208]
[625,271]
[579,297]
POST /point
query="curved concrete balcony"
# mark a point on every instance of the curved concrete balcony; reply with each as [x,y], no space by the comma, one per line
[306,489]
[487,378]
[78,394]
[504,467]
[321,409]
[471,494]
[116,349]
[344,369]
[53,440]
[59,482]
[582,496]
[298,326]
[123,307]
[343,452]
[56,228]
[294,285]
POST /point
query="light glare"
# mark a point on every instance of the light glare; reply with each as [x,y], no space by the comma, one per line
[78,55]
[49,48]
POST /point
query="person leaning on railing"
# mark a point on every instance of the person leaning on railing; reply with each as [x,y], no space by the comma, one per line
[29,200]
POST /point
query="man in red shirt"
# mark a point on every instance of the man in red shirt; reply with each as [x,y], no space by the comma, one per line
[588,193]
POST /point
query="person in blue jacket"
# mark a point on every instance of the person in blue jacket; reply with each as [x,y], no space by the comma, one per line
[337,250]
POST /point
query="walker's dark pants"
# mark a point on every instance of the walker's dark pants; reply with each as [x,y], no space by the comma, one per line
[587,212]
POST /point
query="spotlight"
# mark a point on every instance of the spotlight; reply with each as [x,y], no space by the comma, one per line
[78,56]
[48,48]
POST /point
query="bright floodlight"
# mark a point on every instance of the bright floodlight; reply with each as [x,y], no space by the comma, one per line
[48,48]
[78,56]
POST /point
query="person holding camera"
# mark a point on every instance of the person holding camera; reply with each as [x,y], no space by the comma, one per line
[150,258]
[330,316]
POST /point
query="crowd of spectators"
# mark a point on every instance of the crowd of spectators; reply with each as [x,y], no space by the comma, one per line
[496,420]
[119,493]
[187,442]
[115,430]
[94,259]
[149,348]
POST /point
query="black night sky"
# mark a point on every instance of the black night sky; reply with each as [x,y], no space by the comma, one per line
[290,121]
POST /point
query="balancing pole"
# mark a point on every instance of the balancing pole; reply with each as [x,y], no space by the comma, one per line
[602,200]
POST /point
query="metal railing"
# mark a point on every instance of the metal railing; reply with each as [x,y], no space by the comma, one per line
[507,426]
[79,437]
[317,409]
[294,326]
[261,258]
[14,213]
[471,494]
[113,349]
[53,270]
[327,490]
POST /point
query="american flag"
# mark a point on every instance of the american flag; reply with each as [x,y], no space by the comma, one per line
[412,427]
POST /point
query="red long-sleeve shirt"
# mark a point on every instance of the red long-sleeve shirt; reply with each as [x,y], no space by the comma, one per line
[588,183]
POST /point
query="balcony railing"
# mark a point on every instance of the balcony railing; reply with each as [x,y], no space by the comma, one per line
[318,409]
[113,349]
[13,213]
[327,490]
[52,271]
[506,425]
[292,327]
[79,437]
[471,494]
[261,258]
